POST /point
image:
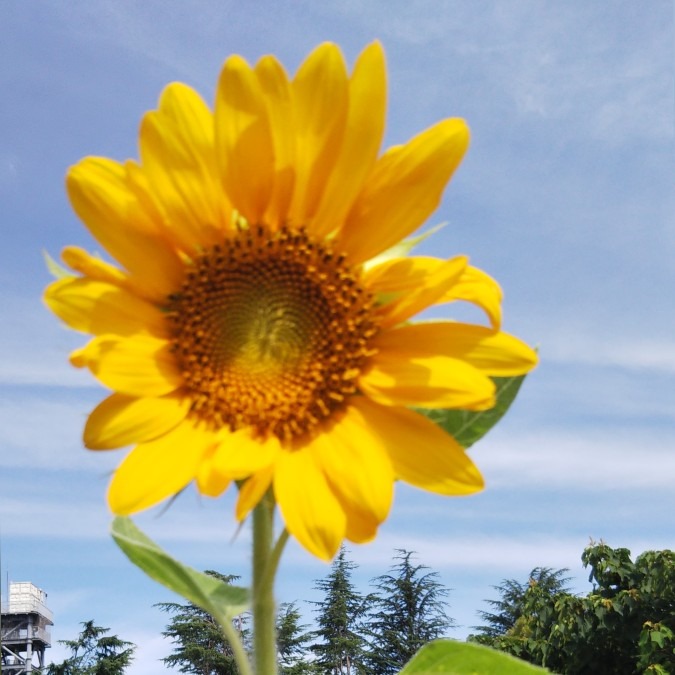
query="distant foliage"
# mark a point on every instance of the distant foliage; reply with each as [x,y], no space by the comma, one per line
[407,610]
[514,598]
[94,653]
[199,645]
[624,626]
[292,642]
[339,646]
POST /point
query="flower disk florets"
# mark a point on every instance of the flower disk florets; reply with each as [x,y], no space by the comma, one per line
[271,331]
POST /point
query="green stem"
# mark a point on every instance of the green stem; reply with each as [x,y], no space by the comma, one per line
[264,611]
[240,656]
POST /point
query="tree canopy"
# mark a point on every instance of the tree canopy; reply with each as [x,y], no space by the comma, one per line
[407,610]
[94,653]
[625,625]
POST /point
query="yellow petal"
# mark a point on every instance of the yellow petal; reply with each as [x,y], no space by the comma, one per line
[90,266]
[239,454]
[121,420]
[312,513]
[243,140]
[177,153]
[252,491]
[210,482]
[428,289]
[159,469]
[101,197]
[404,188]
[357,466]
[421,452]
[480,289]
[98,307]
[495,354]
[320,97]
[427,381]
[361,142]
[278,100]
[136,366]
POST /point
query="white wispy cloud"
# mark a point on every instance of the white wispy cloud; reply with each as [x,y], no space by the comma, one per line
[588,460]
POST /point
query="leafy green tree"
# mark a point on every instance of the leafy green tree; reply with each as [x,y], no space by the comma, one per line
[200,647]
[292,642]
[94,653]
[511,603]
[407,610]
[339,647]
[625,625]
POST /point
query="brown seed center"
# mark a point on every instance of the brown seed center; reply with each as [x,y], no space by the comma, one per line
[271,331]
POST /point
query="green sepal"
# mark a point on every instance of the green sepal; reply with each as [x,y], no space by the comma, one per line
[222,601]
[55,268]
[466,426]
[449,657]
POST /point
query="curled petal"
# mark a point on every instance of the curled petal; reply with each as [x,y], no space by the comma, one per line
[99,307]
[121,420]
[138,366]
[100,194]
[427,291]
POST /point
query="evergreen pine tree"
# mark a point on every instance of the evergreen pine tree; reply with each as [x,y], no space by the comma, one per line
[511,603]
[200,647]
[94,653]
[339,646]
[292,640]
[407,610]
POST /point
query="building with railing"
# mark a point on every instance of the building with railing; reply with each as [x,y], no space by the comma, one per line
[24,631]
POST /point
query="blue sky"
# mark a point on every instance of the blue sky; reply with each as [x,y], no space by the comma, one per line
[566,197]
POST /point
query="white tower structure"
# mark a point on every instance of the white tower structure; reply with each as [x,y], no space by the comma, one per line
[24,631]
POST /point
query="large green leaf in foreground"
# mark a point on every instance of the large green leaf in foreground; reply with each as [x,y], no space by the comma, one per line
[465,426]
[222,601]
[448,657]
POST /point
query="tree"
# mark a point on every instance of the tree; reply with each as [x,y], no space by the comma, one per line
[625,625]
[509,608]
[408,609]
[291,642]
[200,648]
[94,653]
[339,650]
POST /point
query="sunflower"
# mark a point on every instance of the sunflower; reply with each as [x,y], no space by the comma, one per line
[257,328]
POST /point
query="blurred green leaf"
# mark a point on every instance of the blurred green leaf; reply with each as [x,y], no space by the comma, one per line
[448,657]
[467,427]
[222,601]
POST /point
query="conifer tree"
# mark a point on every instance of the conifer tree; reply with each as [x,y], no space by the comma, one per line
[94,653]
[339,647]
[200,647]
[511,603]
[407,610]
[292,641]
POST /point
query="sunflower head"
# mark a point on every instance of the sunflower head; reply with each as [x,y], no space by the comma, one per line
[255,323]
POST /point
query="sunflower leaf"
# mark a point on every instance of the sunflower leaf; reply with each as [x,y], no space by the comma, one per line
[466,426]
[449,657]
[221,600]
